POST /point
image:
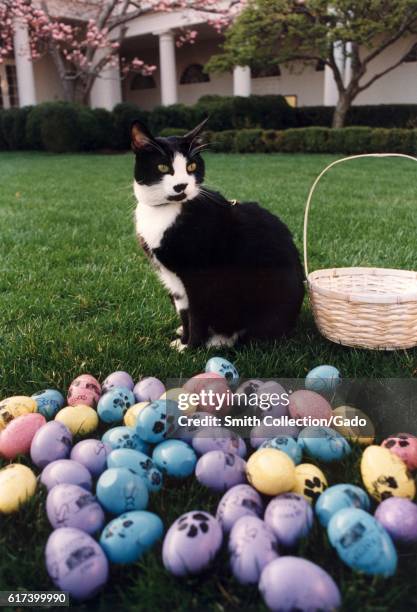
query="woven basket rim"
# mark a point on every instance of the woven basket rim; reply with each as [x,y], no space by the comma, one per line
[313,281]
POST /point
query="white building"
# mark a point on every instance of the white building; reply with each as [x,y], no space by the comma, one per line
[179,76]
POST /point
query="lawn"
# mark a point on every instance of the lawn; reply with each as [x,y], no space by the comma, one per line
[77,295]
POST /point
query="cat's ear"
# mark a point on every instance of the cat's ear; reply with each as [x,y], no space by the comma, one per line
[193,136]
[140,135]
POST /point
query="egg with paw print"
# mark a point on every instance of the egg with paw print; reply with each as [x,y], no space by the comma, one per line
[113,405]
[404,445]
[124,437]
[207,439]
[240,500]
[139,463]
[310,481]
[337,497]
[84,389]
[220,365]
[219,471]
[121,490]
[126,538]
[175,458]
[157,421]
[385,475]
[252,545]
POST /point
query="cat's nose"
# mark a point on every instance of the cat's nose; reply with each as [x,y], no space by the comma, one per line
[180,187]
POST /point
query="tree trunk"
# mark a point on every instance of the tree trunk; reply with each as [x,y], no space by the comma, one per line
[341,109]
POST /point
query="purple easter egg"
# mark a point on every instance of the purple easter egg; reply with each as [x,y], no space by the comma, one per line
[292,583]
[92,454]
[272,399]
[117,379]
[218,438]
[68,471]
[220,471]
[52,441]
[69,505]
[252,545]
[290,517]
[241,500]
[191,543]
[76,563]
[148,389]
[399,517]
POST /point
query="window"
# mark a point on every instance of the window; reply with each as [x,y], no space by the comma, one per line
[266,71]
[292,100]
[142,81]
[194,74]
[9,95]
[320,66]
[412,54]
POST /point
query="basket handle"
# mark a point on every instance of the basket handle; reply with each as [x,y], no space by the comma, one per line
[320,176]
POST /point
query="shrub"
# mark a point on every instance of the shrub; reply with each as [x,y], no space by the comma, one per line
[105,134]
[123,115]
[166,132]
[13,128]
[174,116]
[223,142]
[272,140]
[249,141]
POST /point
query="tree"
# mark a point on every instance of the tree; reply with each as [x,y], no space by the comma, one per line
[268,32]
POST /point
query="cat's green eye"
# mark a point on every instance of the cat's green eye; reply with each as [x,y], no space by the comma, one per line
[163,168]
[192,167]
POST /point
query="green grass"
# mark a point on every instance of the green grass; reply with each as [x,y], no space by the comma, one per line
[78,295]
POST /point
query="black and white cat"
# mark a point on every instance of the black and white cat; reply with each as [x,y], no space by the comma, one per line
[232,269]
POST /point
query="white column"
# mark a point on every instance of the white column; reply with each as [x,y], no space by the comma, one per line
[107,90]
[24,65]
[167,68]
[331,94]
[241,81]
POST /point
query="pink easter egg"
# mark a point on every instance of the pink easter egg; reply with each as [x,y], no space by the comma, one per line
[404,445]
[84,389]
[214,392]
[305,403]
[17,437]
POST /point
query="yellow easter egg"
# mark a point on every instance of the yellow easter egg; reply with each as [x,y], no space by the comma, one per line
[384,474]
[17,485]
[130,416]
[79,419]
[181,396]
[310,481]
[15,406]
[270,471]
[354,425]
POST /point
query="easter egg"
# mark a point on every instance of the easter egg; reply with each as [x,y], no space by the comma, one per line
[218,438]
[131,414]
[85,390]
[353,424]
[13,407]
[309,481]
[157,421]
[272,399]
[17,485]
[212,392]
[290,517]
[323,444]
[220,471]
[304,403]
[362,543]
[323,379]
[92,454]
[252,545]
[175,458]
[68,471]
[80,420]
[69,505]
[241,500]
[220,365]
[290,583]
[52,441]
[399,517]
[184,400]
[245,397]
[191,543]
[121,490]
[261,434]
[76,563]
[287,445]
[18,435]
[139,463]
[336,498]
[126,538]
[270,471]
[113,405]
[385,475]
[187,431]
[48,402]
[124,437]
[148,389]
[403,445]
[117,379]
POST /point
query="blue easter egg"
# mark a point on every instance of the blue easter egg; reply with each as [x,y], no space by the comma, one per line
[323,379]
[337,497]
[121,490]
[175,458]
[362,543]
[139,463]
[323,444]
[48,402]
[220,365]
[127,537]
[113,404]
[124,437]
[287,444]
[157,421]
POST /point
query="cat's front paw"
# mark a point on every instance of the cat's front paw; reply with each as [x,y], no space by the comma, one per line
[180,331]
[177,345]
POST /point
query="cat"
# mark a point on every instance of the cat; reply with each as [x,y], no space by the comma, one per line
[232,269]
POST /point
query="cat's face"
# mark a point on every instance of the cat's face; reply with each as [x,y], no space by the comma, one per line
[167,170]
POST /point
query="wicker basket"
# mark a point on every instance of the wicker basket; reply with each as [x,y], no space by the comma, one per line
[374,308]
